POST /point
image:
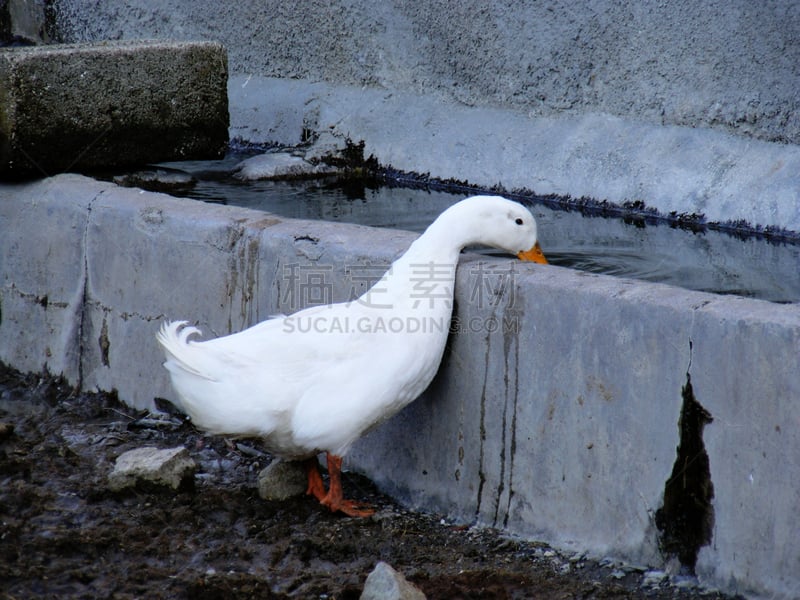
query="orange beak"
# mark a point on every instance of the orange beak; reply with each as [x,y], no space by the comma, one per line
[535,254]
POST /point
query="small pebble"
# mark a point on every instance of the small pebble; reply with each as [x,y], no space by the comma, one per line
[384,583]
[653,578]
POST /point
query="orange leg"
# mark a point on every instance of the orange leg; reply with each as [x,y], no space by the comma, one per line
[334,499]
[315,486]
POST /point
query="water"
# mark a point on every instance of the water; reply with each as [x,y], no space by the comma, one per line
[710,261]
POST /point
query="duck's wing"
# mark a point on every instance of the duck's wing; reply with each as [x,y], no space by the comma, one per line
[249,383]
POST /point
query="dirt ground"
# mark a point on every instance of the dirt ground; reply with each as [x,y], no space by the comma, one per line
[64,534]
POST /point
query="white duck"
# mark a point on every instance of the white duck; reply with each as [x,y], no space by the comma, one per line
[317,380]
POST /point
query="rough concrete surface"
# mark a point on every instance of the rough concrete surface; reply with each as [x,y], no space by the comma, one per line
[733,65]
[89,106]
[558,422]
[23,22]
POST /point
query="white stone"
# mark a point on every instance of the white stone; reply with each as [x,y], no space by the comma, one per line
[384,583]
[168,467]
[279,165]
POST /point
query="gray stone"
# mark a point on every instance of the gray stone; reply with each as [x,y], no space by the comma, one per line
[280,165]
[81,106]
[653,578]
[384,583]
[282,480]
[169,467]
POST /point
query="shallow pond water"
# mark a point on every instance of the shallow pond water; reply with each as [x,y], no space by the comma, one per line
[712,261]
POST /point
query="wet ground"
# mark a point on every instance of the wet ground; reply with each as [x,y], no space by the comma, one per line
[64,534]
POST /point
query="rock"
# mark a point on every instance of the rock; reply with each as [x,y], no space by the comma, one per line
[653,578]
[6,430]
[282,480]
[278,165]
[109,104]
[157,180]
[170,467]
[618,574]
[384,583]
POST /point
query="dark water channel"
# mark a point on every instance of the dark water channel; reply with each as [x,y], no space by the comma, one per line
[712,261]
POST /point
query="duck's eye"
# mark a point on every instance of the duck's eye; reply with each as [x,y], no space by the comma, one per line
[518,221]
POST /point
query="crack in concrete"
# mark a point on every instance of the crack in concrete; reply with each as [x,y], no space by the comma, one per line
[481,463]
[42,300]
[82,312]
[507,341]
[243,275]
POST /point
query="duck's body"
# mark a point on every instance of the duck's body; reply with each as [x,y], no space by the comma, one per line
[318,379]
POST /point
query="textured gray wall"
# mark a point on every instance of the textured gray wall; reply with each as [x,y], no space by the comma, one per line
[733,65]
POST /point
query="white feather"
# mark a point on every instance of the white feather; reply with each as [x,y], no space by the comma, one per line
[306,390]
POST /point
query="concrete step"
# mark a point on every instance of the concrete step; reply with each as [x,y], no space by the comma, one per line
[93,106]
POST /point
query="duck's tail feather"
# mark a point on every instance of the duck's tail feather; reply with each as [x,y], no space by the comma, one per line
[174,339]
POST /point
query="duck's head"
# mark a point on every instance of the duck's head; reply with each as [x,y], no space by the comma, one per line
[499,223]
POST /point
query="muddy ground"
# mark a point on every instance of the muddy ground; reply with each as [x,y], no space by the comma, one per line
[64,534]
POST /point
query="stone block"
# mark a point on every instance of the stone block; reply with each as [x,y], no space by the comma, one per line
[104,105]
[170,467]
[282,480]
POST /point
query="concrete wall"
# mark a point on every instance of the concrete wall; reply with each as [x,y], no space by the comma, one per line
[688,107]
[734,65]
[562,426]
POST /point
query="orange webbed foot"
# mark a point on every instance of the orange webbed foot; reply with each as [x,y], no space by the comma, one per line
[334,499]
[350,508]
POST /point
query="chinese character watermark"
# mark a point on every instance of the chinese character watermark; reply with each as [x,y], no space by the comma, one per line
[307,285]
[491,283]
[364,286]
[428,283]
[432,281]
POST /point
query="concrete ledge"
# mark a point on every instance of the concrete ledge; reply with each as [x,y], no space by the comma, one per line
[89,106]
[562,426]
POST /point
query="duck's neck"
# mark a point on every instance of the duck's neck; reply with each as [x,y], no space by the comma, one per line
[440,243]
[423,279]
